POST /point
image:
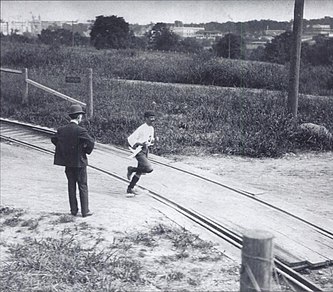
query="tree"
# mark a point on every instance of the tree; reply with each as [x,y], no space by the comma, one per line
[190,45]
[110,32]
[257,54]
[162,38]
[278,50]
[60,36]
[56,36]
[140,43]
[229,46]
[321,53]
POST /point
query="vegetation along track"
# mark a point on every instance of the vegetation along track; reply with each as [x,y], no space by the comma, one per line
[32,136]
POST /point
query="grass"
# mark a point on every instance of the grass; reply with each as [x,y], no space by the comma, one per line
[74,260]
[190,118]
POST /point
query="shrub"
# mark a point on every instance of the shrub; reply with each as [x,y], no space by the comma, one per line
[167,67]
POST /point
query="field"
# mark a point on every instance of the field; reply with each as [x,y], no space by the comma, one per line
[194,116]
[191,118]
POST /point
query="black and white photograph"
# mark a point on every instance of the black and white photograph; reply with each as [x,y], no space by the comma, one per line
[171,146]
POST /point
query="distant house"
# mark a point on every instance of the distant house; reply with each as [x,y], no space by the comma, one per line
[322,29]
[186,31]
[208,35]
[255,44]
[36,25]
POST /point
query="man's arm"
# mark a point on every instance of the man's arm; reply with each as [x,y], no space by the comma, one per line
[54,138]
[87,140]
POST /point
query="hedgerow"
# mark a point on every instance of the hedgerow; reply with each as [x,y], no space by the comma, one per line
[167,67]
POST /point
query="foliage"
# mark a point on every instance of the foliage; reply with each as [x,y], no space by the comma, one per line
[162,38]
[109,32]
[190,118]
[319,54]
[61,36]
[229,47]
[16,38]
[74,259]
[209,119]
[278,51]
[252,26]
[190,45]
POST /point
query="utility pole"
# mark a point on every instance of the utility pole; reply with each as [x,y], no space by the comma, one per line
[295,59]
[72,33]
[229,45]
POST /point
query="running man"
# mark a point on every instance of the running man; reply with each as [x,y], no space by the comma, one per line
[139,142]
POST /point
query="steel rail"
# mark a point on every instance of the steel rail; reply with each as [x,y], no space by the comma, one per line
[207,223]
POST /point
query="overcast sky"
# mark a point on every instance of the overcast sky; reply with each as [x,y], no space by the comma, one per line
[144,12]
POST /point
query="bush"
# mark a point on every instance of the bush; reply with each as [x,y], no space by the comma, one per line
[167,67]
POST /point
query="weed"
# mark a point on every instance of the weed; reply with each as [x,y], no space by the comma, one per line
[41,264]
[84,226]
[7,210]
[175,276]
[65,219]
[12,222]
[30,223]
[143,238]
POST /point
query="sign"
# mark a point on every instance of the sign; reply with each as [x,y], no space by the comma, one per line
[73,79]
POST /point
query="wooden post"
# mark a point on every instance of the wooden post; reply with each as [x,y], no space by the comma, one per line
[25,98]
[90,100]
[295,58]
[257,261]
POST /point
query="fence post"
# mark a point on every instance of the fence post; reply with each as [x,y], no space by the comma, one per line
[90,100]
[257,261]
[25,98]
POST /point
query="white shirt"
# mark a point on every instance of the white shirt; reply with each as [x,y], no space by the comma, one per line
[142,134]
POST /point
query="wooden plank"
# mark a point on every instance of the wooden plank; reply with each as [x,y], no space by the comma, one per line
[52,91]
[73,79]
[7,70]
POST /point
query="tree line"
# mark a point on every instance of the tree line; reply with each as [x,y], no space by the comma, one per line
[112,32]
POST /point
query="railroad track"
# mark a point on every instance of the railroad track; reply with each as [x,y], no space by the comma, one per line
[27,135]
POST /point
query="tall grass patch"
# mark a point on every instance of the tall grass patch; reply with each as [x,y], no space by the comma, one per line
[169,67]
[191,118]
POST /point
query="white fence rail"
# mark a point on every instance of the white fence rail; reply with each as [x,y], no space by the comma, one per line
[28,81]
[52,91]
[11,71]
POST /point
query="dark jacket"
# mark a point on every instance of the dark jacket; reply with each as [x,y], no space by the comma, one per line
[72,144]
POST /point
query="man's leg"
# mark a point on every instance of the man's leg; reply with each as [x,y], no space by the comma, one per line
[82,180]
[144,166]
[130,171]
[133,182]
[71,173]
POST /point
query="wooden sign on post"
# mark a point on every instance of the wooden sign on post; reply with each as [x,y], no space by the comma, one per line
[90,100]
[73,79]
[25,99]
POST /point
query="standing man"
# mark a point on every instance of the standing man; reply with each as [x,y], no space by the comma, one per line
[139,141]
[72,144]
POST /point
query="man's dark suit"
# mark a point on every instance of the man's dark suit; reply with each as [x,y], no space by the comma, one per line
[73,143]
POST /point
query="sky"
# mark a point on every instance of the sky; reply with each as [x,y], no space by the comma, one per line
[145,12]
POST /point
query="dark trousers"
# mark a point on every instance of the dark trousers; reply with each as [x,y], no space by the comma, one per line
[77,175]
[144,166]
